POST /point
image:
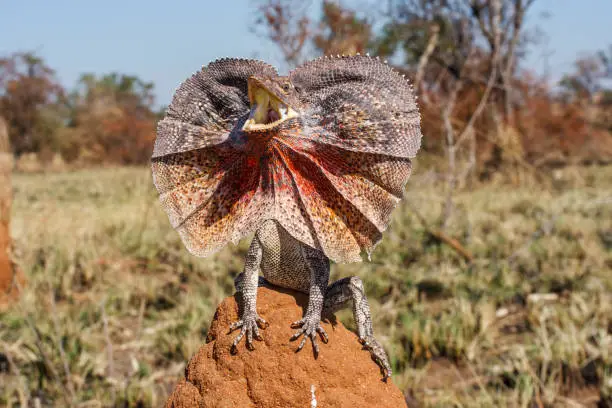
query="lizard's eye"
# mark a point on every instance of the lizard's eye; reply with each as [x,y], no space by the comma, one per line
[285,87]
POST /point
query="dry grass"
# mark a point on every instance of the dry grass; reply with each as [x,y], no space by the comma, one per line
[115,305]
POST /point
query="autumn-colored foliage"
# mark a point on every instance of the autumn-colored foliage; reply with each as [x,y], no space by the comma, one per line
[112,120]
[29,97]
[107,119]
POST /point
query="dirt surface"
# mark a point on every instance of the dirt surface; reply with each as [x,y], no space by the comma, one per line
[273,375]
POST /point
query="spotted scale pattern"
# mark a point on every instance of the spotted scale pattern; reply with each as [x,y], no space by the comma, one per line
[359,104]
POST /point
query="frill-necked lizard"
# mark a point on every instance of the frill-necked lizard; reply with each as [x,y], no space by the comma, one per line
[313,163]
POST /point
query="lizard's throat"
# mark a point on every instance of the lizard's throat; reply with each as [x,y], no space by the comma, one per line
[267,112]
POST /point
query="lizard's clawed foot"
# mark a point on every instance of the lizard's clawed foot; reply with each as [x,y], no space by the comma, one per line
[378,355]
[309,327]
[250,325]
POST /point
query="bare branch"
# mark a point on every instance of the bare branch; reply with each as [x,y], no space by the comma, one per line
[431,45]
[287,25]
[492,76]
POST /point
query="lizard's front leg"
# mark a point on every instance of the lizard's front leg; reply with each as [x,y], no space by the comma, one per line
[246,284]
[351,289]
[310,324]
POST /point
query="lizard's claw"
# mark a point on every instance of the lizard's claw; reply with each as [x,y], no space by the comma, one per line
[250,326]
[309,327]
[378,355]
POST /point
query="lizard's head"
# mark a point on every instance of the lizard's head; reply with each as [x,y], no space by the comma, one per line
[273,100]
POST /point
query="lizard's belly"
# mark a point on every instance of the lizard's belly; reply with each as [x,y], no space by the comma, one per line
[282,262]
[286,271]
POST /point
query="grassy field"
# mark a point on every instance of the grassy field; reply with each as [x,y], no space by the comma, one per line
[114,304]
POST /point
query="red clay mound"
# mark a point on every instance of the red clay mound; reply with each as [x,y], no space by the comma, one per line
[10,277]
[8,288]
[273,375]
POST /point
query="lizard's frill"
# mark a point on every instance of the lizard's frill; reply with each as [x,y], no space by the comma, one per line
[331,178]
[331,199]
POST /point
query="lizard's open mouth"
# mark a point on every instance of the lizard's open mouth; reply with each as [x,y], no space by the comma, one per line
[267,110]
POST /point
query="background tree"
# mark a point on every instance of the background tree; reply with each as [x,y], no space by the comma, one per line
[30,100]
[287,24]
[111,119]
[586,98]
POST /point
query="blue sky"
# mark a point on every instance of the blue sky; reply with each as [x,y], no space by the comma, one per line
[164,41]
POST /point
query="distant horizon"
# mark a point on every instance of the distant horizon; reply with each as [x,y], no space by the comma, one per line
[165,45]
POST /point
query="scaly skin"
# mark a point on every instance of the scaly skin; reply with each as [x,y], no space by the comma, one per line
[313,266]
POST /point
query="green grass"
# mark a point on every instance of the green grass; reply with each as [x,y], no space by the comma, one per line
[114,304]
